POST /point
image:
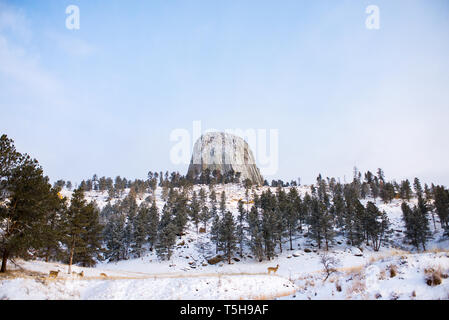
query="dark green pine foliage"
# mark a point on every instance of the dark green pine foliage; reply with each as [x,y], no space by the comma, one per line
[215,229]
[114,238]
[352,224]
[417,225]
[141,230]
[255,231]
[204,216]
[52,228]
[195,210]
[240,232]
[223,203]
[89,249]
[293,214]
[282,211]
[23,193]
[405,190]
[338,209]
[441,203]
[153,223]
[387,192]
[378,225]
[76,224]
[321,223]
[269,237]
[179,210]
[166,235]
[228,239]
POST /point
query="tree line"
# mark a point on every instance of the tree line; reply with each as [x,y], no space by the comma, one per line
[37,222]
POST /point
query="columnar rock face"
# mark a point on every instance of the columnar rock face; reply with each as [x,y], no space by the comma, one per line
[224,152]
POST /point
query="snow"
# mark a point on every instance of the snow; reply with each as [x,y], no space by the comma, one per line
[361,273]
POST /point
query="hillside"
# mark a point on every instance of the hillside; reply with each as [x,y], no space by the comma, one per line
[361,272]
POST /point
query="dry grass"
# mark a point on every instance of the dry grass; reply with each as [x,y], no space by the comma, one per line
[352,270]
[271,297]
[438,250]
[357,286]
[393,270]
[434,277]
[25,274]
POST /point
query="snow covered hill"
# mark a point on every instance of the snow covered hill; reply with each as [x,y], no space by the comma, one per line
[361,272]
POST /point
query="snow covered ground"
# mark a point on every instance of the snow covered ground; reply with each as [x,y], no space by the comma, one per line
[361,272]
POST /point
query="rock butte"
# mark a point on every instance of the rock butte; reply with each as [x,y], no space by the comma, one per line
[224,152]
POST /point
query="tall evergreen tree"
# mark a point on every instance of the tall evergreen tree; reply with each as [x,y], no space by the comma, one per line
[153,222]
[240,231]
[256,233]
[228,239]
[76,223]
[195,210]
[141,230]
[166,235]
[378,225]
[89,248]
[113,236]
[23,194]
[416,223]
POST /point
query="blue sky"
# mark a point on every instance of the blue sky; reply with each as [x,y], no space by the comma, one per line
[104,99]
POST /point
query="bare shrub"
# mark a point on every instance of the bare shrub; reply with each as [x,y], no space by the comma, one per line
[434,277]
[329,264]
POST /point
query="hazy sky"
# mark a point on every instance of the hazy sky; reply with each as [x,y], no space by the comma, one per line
[104,99]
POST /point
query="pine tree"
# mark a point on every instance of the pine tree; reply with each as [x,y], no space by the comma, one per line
[293,215]
[228,239]
[153,223]
[256,233]
[51,228]
[166,235]
[76,222]
[223,203]
[352,222]
[378,225]
[268,223]
[215,229]
[195,210]
[416,223]
[405,190]
[204,216]
[441,196]
[320,221]
[113,237]
[141,230]
[23,194]
[240,232]
[89,248]
[179,211]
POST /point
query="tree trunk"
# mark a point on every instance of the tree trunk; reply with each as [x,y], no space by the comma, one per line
[72,250]
[291,245]
[5,260]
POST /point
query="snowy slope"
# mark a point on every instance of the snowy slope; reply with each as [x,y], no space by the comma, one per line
[361,271]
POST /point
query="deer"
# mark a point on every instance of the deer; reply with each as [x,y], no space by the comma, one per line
[273,269]
[54,274]
[81,274]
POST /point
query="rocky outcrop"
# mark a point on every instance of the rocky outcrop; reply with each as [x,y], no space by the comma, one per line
[224,152]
